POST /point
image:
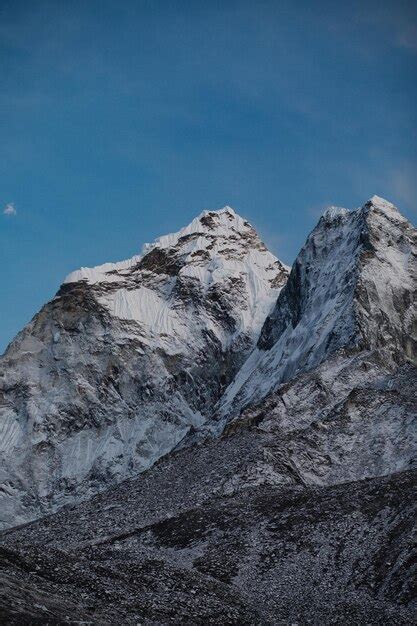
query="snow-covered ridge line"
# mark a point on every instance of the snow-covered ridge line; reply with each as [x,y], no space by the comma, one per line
[221,224]
[215,248]
[340,213]
[226,220]
[335,212]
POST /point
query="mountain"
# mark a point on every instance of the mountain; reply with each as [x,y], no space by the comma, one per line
[351,289]
[127,359]
[291,499]
[333,377]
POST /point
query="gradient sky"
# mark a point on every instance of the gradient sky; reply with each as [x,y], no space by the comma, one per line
[120,121]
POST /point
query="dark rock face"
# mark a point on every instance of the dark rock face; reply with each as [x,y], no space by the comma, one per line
[160,262]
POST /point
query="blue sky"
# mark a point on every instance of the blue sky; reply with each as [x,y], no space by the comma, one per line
[120,121]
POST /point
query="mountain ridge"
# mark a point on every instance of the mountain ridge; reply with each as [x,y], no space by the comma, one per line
[134,359]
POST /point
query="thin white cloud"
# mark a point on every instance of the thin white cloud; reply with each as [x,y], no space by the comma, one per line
[407,37]
[9,209]
[403,182]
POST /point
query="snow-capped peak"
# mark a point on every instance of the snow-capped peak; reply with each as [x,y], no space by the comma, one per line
[129,356]
[350,287]
[220,225]
[217,250]
[386,207]
[334,212]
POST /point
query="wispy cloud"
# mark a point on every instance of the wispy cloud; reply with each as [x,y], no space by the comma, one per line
[407,36]
[9,209]
[317,210]
[403,181]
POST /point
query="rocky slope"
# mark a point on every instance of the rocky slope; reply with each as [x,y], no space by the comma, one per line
[172,547]
[126,359]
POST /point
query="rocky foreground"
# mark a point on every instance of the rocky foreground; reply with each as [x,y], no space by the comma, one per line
[263,555]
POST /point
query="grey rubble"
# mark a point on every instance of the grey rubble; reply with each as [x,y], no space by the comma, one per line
[262,555]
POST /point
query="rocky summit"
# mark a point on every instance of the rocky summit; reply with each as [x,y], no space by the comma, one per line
[200,435]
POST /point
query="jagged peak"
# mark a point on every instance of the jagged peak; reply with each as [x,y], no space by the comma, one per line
[384,206]
[381,202]
[221,225]
[220,222]
[350,288]
[225,209]
[333,213]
